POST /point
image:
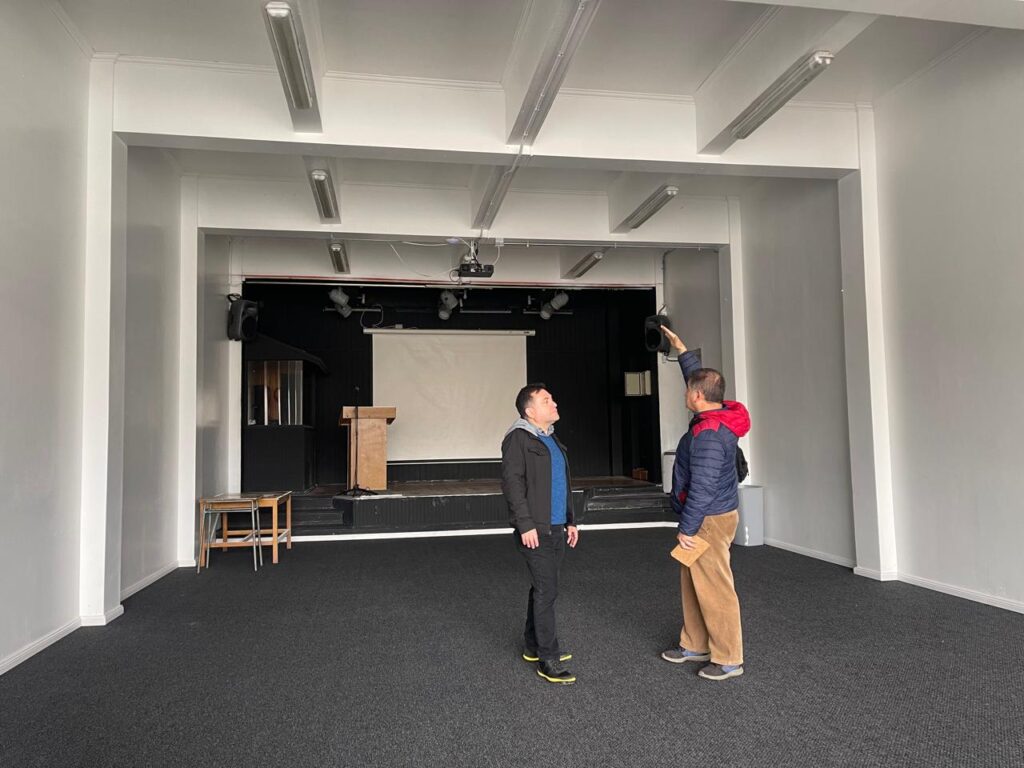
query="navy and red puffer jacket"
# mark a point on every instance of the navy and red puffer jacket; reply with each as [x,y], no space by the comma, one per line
[704,478]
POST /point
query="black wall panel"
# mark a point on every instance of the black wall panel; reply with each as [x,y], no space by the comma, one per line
[580,356]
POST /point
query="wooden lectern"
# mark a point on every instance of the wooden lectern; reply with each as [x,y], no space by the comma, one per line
[367,428]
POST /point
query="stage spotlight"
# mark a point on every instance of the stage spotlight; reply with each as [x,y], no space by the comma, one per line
[340,300]
[445,304]
[558,301]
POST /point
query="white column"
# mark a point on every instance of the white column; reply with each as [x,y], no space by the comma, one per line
[866,382]
[103,367]
[188,331]
[233,396]
[734,324]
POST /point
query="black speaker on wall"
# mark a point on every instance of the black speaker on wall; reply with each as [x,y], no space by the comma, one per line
[242,319]
[654,339]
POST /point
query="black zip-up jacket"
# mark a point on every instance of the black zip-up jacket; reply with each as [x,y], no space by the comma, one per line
[526,481]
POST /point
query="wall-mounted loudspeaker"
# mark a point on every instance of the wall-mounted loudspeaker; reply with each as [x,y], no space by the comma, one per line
[242,318]
[654,339]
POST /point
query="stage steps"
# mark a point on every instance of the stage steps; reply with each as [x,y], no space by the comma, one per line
[626,505]
[318,513]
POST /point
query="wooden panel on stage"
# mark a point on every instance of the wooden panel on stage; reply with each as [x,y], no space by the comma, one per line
[367,429]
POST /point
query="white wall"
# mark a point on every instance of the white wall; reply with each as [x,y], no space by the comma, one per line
[796,368]
[951,191]
[148,541]
[45,74]
[218,409]
[692,299]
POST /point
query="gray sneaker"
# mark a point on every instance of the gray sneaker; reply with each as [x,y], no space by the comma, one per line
[680,655]
[721,671]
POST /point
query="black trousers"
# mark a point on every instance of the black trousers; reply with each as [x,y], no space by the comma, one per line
[540,633]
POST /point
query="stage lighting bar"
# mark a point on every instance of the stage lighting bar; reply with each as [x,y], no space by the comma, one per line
[340,299]
[658,200]
[554,64]
[339,256]
[284,27]
[323,192]
[557,301]
[445,304]
[780,92]
[584,265]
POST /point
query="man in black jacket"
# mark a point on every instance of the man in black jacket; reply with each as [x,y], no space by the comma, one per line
[537,486]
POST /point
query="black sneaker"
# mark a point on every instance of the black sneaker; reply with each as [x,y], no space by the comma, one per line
[532,656]
[554,672]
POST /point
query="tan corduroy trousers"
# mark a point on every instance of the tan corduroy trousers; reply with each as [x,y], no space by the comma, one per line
[711,610]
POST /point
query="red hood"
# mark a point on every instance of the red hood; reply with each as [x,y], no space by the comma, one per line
[733,416]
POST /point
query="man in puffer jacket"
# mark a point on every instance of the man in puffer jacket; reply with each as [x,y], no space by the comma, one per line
[705,495]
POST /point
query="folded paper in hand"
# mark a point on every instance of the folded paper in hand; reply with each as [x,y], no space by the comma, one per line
[689,556]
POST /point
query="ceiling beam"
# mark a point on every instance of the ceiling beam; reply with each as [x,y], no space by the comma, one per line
[780,39]
[548,36]
[987,13]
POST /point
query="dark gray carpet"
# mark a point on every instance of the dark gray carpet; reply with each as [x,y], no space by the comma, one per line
[405,653]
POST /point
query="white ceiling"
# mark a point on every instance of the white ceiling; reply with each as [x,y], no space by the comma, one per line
[442,39]
[200,30]
[242,164]
[658,46]
[643,46]
[883,56]
[359,171]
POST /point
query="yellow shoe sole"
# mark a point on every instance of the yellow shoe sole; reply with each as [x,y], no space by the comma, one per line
[561,680]
[563,657]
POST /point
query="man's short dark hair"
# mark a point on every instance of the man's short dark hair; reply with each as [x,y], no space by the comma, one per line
[709,383]
[526,395]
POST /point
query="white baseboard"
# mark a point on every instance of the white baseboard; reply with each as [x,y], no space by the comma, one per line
[10,662]
[626,526]
[1016,606]
[147,580]
[102,619]
[871,573]
[503,531]
[187,563]
[827,557]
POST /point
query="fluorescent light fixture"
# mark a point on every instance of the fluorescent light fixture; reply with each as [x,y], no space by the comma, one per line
[584,265]
[494,194]
[323,192]
[779,92]
[558,301]
[657,200]
[339,256]
[284,27]
[554,64]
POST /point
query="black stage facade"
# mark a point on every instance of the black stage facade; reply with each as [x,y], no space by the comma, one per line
[441,505]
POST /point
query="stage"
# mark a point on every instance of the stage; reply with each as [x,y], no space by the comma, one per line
[466,504]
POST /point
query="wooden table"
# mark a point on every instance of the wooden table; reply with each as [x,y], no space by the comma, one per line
[267,500]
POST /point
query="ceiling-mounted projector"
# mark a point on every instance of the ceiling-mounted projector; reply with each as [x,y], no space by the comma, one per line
[475,269]
[470,265]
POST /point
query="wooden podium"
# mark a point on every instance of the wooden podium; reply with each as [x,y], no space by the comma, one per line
[367,427]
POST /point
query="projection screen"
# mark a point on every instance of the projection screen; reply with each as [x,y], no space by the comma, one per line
[455,391]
